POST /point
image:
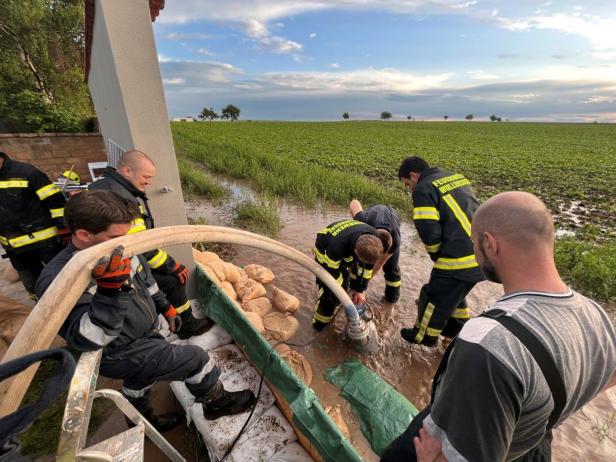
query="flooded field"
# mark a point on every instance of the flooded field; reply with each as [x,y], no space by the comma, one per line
[408,368]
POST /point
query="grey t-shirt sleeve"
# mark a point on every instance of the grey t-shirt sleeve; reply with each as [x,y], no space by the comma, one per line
[476,407]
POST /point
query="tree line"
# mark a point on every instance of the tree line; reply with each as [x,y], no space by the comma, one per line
[229,112]
[386,115]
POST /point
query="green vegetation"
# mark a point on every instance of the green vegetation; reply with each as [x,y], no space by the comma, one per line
[569,166]
[259,216]
[195,180]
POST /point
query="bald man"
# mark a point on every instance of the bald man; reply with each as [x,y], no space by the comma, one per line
[531,360]
[135,172]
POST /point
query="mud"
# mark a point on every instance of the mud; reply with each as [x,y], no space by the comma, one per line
[408,368]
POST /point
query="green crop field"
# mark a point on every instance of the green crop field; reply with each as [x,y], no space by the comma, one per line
[572,167]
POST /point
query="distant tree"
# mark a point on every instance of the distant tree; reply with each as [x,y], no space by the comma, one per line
[385,115]
[209,114]
[469,117]
[230,112]
[345,116]
[445,117]
[409,118]
[495,118]
[498,119]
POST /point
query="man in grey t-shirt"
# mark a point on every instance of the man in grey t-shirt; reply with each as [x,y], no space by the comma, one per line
[492,402]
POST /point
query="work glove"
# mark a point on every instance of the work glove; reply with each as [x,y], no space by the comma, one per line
[64,236]
[181,272]
[358,298]
[111,273]
[173,319]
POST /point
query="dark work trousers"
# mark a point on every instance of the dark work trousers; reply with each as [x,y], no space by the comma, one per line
[174,291]
[30,263]
[442,308]
[151,359]
[393,280]
[402,448]
[327,302]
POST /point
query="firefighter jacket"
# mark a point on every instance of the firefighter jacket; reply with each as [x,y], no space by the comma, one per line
[335,251]
[31,207]
[158,259]
[444,205]
[383,217]
[108,321]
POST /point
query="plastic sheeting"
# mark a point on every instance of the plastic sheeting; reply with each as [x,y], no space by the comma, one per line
[368,392]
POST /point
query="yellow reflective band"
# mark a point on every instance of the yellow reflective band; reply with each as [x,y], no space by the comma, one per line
[353,276]
[425,320]
[323,259]
[57,213]
[462,313]
[340,280]
[433,332]
[456,263]
[138,225]
[433,248]
[142,210]
[158,259]
[360,270]
[319,317]
[3,240]
[460,215]
[183,308]
[37,236]
[348,259]
[393,283]
[367,274]
[13,184]
[426,213]
[47,191]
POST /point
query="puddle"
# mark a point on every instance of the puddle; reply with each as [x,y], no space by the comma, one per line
[408,368]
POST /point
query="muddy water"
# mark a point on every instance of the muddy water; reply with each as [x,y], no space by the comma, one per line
[408,368]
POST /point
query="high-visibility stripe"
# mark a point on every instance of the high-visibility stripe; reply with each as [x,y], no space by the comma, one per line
[433,332]
[433,248]
[456,263]
[153,289]
[141,209]
[340,280]
[426,213]
[138,225]
[425,320]
[13,184]
[57,213]
[27,239]
[462,313]
[158,259]
[319,317]
[46,191]
[393,283]
[367,273]
[323,259]
[353,276]
[183,308]
[348,259]
[458,212]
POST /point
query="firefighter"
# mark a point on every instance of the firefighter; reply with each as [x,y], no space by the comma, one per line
[348,250]
[31,219]
[385,218]
[134,173]
[119,310]
[443,207]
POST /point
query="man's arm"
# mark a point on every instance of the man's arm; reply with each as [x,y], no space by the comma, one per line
[427,221]
[355,207]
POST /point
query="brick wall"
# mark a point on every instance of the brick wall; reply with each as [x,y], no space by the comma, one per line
[55,152]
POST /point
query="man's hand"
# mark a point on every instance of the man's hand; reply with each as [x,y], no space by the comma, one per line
[111,273]
[173,319]
[358,298]
[181,272]
[428,448]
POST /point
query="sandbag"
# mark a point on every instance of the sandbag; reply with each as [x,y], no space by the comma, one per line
[280,326]
[249,289]
[218,267]
[255,320]
[259,273]
[12,316]
[11,274]
[284,301]
[297,362]
[213,338]
[293,452]
[210,273]
[209,256]
[261,306]
[232,273]
[335,413]
[228,289]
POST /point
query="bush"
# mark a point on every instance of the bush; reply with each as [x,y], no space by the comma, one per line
[195,180]
[259,216]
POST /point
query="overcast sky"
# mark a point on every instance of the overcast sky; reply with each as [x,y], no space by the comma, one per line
[313,60]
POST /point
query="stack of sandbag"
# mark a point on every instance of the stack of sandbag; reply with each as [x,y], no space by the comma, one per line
[12,316]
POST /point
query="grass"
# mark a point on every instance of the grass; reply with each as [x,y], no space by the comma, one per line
[195,180]
[259,216]
[569,166]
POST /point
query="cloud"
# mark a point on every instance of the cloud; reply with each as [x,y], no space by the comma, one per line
[334,65]
[198,76]
[508,56]
[264,39]
[481,75]
[181,36]
[204,51]
[312,35]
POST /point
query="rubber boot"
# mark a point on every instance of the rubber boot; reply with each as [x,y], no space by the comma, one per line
[163,423]
[218,402]
[410,334]
[192,326]
[392,294]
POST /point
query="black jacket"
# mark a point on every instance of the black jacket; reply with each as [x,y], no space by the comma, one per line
[335,250]
[158,259]
[31,207]
[383,217]
[109,321]
[444,205]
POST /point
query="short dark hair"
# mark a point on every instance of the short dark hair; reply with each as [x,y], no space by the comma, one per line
[412,164]
[369,248]
[95,211]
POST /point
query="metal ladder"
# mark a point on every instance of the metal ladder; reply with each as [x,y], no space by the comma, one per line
[127,446]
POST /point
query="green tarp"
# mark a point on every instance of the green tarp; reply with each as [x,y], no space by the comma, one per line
[383,412]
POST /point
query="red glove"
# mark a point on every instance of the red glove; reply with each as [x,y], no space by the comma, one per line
[64,236]
[111,273]
[173,319]
[181,272]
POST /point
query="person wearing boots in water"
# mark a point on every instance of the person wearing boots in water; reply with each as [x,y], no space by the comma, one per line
[119,313]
